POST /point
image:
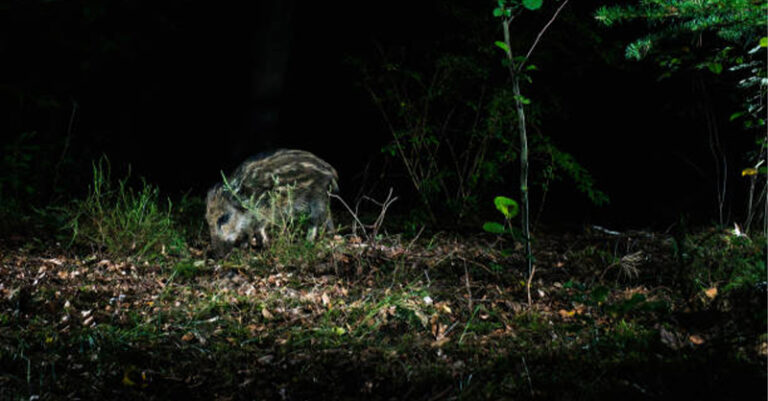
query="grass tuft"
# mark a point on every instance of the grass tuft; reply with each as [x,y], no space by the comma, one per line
[124,221]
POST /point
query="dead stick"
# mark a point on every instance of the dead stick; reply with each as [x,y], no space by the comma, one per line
[528,376]
[469,288]
[528,286]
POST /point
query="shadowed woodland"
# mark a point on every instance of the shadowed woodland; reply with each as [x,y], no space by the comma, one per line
[530,199]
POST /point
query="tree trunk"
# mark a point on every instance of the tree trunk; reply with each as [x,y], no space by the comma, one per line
[514,74]
[523,170]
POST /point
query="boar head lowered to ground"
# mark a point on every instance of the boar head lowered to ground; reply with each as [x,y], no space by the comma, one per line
[264,191]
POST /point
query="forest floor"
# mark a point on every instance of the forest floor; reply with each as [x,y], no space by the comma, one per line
[635,315]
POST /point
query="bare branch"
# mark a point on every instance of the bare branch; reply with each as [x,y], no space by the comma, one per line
[541,33]
[354,215]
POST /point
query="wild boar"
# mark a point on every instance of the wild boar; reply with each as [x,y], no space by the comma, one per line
[268,190]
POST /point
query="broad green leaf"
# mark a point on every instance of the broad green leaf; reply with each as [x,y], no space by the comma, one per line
[716,68]
[502,46]
[736,115]
[532,4]
[498,12]
[493,227]
[764,41]
[531,67]
[506,206]
[522,99]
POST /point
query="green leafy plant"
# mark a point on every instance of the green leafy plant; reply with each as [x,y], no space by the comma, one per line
[549,164]
[729,261]
[725,38]
[122,220]
[434,114]
[731,21]
[17,186]
[17,162]
[509,209]
[455,128]
[564,164]
[507,11]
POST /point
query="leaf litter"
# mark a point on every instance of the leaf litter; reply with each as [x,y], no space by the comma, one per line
[386,320]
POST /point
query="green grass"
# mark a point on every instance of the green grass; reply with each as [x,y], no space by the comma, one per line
[122,220]
[725,260]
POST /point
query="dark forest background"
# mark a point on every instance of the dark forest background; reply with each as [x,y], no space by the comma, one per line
[182,90]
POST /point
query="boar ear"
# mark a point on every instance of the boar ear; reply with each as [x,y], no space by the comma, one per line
[213,192]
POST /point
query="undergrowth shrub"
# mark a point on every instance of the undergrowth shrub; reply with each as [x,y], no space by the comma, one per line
[453,129]
[303,253]
[122,220]
[16,182]
[187,215]
[726,260]
[289,245]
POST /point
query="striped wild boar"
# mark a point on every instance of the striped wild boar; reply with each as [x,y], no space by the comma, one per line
[268,190]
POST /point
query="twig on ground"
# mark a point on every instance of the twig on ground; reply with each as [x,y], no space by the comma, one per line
[469,288]
[528,285]
[528,376]
[466,326]
[441,260]
[413,241]
[478,264]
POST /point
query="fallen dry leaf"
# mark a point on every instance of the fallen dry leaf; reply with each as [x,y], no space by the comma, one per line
[326,300]
[188,337]
[631,292]
[440,342]
[696,339]
[711,293]
[266,359]
[566,314]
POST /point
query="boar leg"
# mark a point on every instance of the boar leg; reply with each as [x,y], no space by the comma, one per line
[263,235]
[312,233]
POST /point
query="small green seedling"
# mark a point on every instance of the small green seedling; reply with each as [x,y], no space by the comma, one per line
[509,208]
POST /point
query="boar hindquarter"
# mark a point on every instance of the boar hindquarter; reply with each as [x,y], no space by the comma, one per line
[265,189]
